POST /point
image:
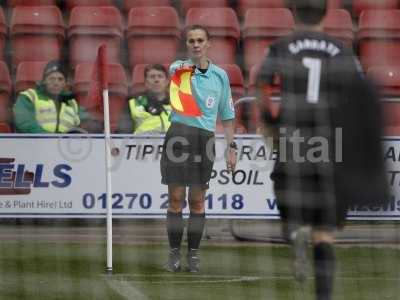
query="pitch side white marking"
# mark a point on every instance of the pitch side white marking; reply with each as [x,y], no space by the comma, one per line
[182,278]
[227,278]
[125,289]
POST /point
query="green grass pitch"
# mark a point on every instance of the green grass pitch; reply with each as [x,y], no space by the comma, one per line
[64,271]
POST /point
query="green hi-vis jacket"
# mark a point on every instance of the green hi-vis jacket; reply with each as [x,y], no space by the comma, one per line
[36,112]
[145,122]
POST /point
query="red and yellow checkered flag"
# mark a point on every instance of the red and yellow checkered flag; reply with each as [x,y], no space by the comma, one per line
[180,92]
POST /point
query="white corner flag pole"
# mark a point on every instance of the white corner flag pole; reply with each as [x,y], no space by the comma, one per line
[107,143]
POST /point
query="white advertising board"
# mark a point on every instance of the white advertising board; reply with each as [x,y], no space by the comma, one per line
[55,176]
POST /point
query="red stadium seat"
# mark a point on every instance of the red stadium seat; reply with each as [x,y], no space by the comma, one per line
[379,38]
[70,4]
[237,87]
[185,5]
[235,79]
[3,33]
[338,24]
[89,28]
[388,80]
[360,5]
[244,5]
[37,33]
[13,3]
[5,128]
[28,74]
[391,113]
[262,27]
[117,85]
[391,131]
[5,93]
[129,4]
[137,86]
[153,35]
[251,112]
[334,4]
[223,26]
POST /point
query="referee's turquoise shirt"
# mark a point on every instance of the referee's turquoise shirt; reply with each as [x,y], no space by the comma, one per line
[213,95]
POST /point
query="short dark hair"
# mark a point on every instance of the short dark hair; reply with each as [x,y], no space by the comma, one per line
[197,27]
[309,12]
[158,67]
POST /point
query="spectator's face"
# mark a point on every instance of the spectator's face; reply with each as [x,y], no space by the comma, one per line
[197,44]
[156,81]
[55,83]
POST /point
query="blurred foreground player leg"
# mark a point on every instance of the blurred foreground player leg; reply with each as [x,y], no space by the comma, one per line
[200,92]
[329,128]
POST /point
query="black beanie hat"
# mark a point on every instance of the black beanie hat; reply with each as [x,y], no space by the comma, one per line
[54,66]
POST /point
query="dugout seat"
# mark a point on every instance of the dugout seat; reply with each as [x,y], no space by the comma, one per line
[379,38]
[338,24]
[71,4]
[117,86]
[185,5]
[13,3]
[223,26]
[360,5]
[3,33]
[37,33]
[153,35]
[89,28]
[237,87]
[129,4]
[262,27]
[28,74]
[5,93]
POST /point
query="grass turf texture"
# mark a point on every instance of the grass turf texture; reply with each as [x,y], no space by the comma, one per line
[41,271]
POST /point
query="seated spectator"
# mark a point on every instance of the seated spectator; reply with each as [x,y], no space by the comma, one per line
[50,107]
[149,112]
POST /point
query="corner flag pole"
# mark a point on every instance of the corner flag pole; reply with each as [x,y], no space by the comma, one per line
[102,76]
[109,267]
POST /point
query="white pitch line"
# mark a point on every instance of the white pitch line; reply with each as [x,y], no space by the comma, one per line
[126,290]
[204,278]
[240,279]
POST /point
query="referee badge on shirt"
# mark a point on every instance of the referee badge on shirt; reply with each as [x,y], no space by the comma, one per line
[210,102]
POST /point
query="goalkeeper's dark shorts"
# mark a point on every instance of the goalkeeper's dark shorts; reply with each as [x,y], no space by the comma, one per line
[188,156]
[304,201]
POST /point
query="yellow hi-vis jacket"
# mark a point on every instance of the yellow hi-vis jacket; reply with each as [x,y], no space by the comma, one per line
[145,122]
[49,118]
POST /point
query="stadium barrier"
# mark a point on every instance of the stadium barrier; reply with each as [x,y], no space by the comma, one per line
[63,176]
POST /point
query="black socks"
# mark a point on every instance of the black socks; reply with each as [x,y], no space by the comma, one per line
[195,229]
[174,229]
[324,267]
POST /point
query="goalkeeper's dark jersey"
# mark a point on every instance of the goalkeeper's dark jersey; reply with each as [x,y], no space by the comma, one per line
[329,123]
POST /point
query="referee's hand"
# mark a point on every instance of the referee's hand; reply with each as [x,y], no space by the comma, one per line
[231,158]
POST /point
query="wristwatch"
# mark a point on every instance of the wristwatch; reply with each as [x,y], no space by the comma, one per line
[233,145]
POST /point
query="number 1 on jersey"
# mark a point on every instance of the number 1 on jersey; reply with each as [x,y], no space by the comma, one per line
[314,77]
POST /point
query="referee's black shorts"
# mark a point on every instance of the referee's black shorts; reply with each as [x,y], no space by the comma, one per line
[188,156]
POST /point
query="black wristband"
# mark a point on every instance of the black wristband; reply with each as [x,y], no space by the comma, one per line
[233,145]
